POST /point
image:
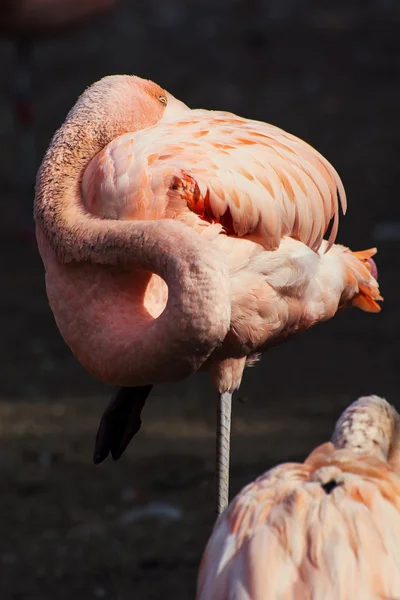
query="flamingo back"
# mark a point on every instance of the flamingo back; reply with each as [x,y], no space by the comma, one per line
[326,529]
[214,167]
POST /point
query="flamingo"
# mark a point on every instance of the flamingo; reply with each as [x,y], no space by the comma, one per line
[26,21]
[176,240]
[328,528]
[30,18]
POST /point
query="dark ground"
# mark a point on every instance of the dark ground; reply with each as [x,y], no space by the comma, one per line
[330,75]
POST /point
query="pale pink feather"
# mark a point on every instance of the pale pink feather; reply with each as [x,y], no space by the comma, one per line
[259,198]
[289,536]
[279,191]
[272,183]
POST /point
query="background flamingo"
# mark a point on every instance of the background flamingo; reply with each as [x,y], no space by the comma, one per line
[327,528]
[26,21]
[230,213]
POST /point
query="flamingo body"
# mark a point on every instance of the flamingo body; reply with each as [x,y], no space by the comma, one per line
[259,197]
[325,529]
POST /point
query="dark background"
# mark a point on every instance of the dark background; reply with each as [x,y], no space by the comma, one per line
[136,528]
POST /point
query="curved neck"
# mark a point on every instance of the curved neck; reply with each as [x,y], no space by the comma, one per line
[197,315]
[370,426]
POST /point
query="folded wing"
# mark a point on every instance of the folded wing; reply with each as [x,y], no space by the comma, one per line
[252,177]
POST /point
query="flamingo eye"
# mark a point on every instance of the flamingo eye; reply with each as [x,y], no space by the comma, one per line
[162,99]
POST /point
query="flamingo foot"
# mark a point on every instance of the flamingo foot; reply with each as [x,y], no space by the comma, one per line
[120,422]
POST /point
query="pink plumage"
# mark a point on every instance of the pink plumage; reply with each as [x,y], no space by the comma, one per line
[269,182]
[176,240]
[325,529]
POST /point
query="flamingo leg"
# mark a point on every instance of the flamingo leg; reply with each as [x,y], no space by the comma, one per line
[120,422]
[223,449]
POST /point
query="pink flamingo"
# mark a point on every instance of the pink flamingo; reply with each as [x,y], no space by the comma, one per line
[328,528]
[176,240]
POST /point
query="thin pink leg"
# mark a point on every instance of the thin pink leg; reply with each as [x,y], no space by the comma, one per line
[223,449]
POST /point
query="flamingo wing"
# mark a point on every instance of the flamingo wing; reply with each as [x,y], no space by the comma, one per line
[252,177]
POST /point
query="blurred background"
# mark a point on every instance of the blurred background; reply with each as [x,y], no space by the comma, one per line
[328,72]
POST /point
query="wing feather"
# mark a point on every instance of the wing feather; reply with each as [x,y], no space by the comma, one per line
[251,177]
